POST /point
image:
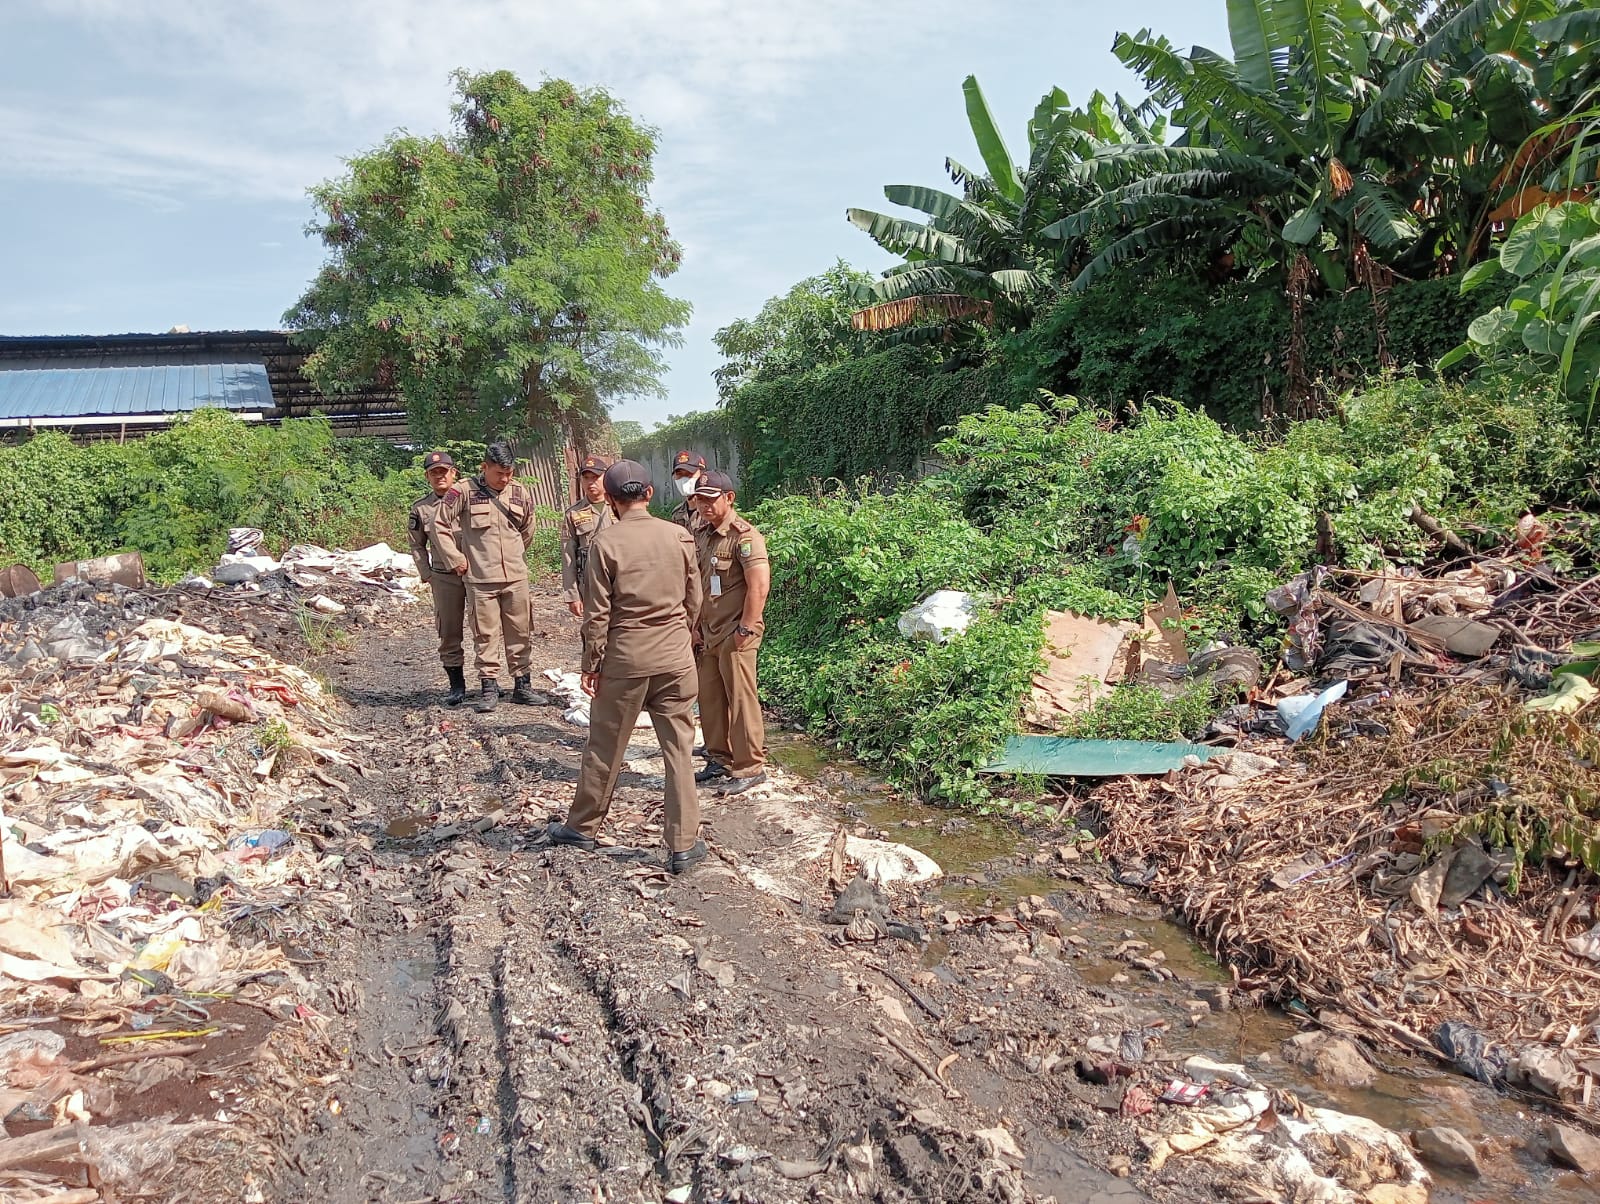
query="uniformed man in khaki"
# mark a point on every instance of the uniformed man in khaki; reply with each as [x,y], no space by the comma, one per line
[484,527]
[641,600]
[448,589]
[687,469]
[736,577]
[584,519]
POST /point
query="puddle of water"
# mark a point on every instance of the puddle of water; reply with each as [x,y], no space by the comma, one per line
[977,855]
[407,826]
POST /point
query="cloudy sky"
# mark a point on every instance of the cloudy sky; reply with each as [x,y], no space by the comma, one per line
[154,155]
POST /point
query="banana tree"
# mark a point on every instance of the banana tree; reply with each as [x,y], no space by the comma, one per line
[1362,138]
[978,253]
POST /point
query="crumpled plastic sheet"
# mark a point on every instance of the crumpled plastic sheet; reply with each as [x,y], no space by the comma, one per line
[570,688]
[942,614]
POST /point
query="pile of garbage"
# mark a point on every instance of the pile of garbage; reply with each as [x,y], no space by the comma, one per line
[306,566]
[164,875]
[1424,865]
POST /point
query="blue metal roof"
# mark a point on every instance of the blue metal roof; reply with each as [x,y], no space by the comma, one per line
[42,394]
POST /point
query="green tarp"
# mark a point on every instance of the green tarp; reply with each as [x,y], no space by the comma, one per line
[1059,757]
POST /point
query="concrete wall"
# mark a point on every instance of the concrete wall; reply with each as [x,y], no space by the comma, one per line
[720,453]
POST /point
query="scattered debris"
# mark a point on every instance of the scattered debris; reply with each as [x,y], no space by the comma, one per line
[151,768]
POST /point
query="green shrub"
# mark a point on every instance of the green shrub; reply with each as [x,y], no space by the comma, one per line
[1139,712]
[1032,510]
[173,495]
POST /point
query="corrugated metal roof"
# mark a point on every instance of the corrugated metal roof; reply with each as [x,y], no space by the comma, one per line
[46,393]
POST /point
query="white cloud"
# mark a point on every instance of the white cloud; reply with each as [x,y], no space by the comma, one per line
[260,100]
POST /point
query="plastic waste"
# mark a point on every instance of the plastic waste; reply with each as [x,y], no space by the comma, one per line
[269,841]
[1302,713]
[745,1095]
[245,541]
[1569,694]
[939,616]
[238,573]
[1471,1051]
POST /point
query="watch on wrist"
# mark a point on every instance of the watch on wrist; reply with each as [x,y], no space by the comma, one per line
[741,629]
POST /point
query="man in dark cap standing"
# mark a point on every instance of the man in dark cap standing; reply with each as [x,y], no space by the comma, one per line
[484,526]
[641,600]
[736,577]
[584,519]
[448,589]
[687,469]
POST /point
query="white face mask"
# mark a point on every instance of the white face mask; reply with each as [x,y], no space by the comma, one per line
[686,485]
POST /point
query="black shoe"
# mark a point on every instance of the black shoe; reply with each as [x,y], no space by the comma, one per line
[710,773]
[458,686]
[561,834]
[680,863]
[489,697]
[522,693]
[740,785]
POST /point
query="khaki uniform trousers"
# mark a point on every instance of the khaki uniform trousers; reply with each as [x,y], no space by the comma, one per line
[449,617]
[502,619]
[669,697]
[730,710]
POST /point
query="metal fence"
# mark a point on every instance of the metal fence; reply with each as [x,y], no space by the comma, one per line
[550,472]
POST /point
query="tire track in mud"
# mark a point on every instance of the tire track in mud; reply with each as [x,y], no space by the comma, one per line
[591,1025]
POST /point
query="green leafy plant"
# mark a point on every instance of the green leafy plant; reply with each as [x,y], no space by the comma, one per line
[1138,712]
[1549,320]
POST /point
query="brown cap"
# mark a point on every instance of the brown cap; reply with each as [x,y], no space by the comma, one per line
[624,473]
[593,464]
[715,484]
[688,461]
[437,459]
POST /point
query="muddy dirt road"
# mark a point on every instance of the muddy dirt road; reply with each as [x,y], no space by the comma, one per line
[529,1024]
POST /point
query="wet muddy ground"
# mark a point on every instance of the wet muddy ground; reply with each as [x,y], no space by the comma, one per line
[521,1023]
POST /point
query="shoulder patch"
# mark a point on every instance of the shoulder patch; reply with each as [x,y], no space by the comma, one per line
[416,522]
[744,548]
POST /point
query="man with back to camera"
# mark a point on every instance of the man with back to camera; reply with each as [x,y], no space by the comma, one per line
[484,527]
[444,583]
[687,469]
[584,519]
[641,600]
[736,578]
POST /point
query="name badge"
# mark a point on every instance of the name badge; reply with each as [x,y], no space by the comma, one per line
[716,585]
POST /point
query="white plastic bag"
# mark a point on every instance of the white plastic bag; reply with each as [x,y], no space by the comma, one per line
[939,616]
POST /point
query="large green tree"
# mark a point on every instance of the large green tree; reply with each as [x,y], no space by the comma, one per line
[808,327]
[505,276]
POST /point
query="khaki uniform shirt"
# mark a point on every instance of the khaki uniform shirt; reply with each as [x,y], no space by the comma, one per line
[641,599]
[425,549]
[579,525]
[686,518]
[724,553]
[487,531]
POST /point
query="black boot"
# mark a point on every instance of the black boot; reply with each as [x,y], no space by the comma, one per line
[458,685]
[489,697]
[523,693]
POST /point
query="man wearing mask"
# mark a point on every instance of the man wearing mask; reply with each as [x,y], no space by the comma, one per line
[448,589]
[584,519]
[736,578]
[687,469]
[641,599]
[484,527]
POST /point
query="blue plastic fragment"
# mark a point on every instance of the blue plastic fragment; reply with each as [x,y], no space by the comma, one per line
[1064,757]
